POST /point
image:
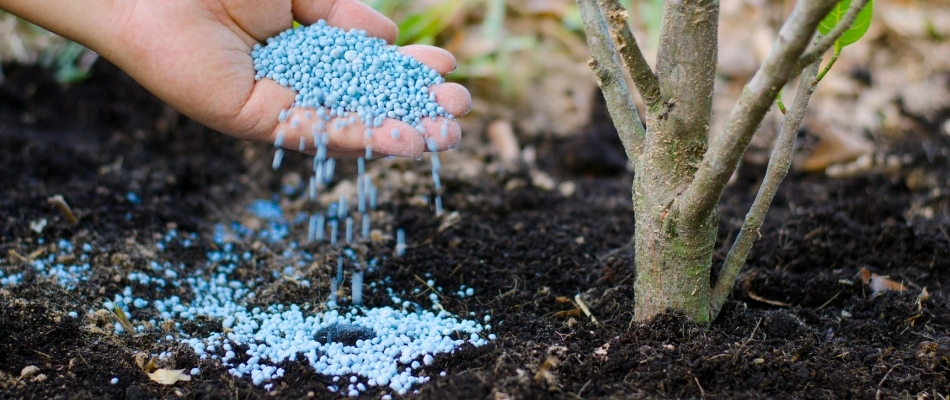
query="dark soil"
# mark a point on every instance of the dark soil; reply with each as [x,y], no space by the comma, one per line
[802,324]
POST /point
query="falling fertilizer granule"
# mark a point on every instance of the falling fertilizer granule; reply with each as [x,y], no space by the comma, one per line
[339,77]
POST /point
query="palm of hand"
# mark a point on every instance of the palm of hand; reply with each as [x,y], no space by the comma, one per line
[195,55]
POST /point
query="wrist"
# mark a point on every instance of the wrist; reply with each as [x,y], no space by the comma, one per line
[91,23]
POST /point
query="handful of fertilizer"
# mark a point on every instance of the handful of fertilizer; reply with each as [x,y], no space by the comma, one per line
[345,76]
[347,72]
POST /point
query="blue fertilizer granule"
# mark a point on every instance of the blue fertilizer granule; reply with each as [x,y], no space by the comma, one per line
[344,75]
[349,72]
[267,210]
[366,347]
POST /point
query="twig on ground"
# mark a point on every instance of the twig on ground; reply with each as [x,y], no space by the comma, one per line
[583,306]
[829,301]
[123,320]
[429,286]
[771,302]
[751,336]
[882,381]
[59,202]
[582,388]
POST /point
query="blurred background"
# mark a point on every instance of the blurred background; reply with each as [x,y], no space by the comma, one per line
[525,64]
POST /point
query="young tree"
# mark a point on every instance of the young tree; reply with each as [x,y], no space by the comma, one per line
[679,173]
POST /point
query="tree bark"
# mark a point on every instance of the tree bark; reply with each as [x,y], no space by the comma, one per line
[779,163]
[678,181]
[722,157]
[672,263]
[673,259]
[605,62]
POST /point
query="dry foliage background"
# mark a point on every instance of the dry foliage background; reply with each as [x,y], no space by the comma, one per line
[525,63]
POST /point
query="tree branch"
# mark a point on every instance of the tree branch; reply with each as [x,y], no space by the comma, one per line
[817,50]
[779,162]
[626,45]
[699,200]
[679,127]
[606,65]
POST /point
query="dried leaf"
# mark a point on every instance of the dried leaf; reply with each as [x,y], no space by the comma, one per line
[865,276]
[879,283]
[927,99]
[924,296]
[882,283]
[567,313]
[151,366]
[169,376]
[544,372]
[835,146]
[909,21]
[502,137]
[140,360]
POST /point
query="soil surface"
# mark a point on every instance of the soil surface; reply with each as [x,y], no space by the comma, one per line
[802,323]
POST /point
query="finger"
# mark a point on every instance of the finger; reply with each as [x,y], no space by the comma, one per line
[454,98]
[441,60]
[257,21]
[408,142]
[346,14]
[346,136]
[257,120]
[441,134]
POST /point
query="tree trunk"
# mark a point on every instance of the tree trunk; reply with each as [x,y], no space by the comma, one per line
[678,182]
[672,259]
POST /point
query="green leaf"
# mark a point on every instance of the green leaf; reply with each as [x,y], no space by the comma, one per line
[424,26]
[857,29]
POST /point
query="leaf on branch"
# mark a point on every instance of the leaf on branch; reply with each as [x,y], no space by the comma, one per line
[857,30]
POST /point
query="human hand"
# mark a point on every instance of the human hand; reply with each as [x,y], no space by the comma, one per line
[195,55]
